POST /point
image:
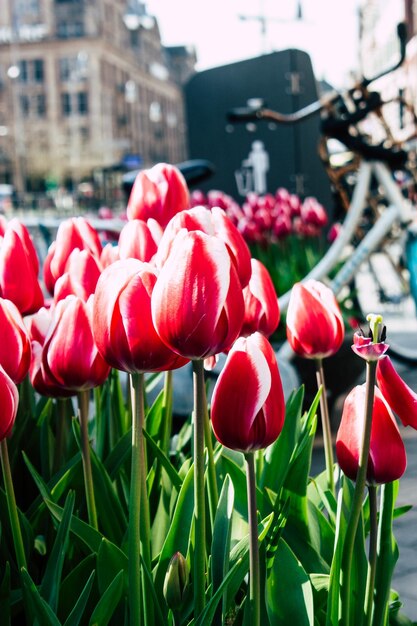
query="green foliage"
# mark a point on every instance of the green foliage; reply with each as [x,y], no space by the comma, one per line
[78,575]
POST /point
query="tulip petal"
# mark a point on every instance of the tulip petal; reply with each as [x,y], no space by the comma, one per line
[399,396]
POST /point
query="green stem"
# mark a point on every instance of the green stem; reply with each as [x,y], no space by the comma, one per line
[254,575]
[370,583]
[167,412]
[11,505]
[199,501]
[386,558]
[325,420]
[213,494]
[355,513]
[83,402]
[134,548]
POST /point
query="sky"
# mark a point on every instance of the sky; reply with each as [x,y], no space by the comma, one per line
[328,32]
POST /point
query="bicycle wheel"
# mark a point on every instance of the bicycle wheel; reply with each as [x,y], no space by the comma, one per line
[386,284]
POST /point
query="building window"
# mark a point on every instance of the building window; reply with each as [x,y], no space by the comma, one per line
[66,103]
[38,73]
[82,102]
[66,30]
[41,105]
[24,105]
[23,71]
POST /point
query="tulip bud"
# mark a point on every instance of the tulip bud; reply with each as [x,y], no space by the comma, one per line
[136,241]
[248,416]
[122,321]
[315,327]
[261,303]
[387,457]
[197,301]
[15,348]
[176,582]
[9,400]
[159,192]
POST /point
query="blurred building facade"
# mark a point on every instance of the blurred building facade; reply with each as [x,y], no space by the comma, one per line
[86,89]
[379,50]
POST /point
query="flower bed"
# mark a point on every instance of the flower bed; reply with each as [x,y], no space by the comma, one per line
[109,515]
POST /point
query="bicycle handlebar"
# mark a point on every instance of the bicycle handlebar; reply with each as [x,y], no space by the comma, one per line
[255,113]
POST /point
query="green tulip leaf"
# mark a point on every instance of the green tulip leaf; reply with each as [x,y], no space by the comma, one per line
[288,590]
[91,537]
[278,455]
[75,583]
[222,529]
[119,454]
[387,550]
[108,602]
[154,416]
[5,596]
[110,561]
[165,462]
[74,618]
[178,536]
[40,608]
[52,578]
[106,497]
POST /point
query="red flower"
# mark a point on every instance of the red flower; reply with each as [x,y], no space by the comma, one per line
[18,271]
[247,407]
[80,278]
[159,192]
[9,401]
[261,302]
[139,240]
[70,356]
[399,396]
[315,326]
[109,255]
[123,327]
[197,302]
[15,344]
[387,457]
[75,232]
[213,222]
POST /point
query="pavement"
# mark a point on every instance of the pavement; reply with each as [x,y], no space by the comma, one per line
[405,527]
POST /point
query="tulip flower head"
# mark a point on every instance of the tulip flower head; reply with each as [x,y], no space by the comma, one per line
[197,301]
[261,302]
[387,457]
[139,240]
[123,327]
[15,351]
[315,327]
[9,401]
[247,407]
[159,192]
[18,271]
[213,222]
[70,356]
[73,233]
